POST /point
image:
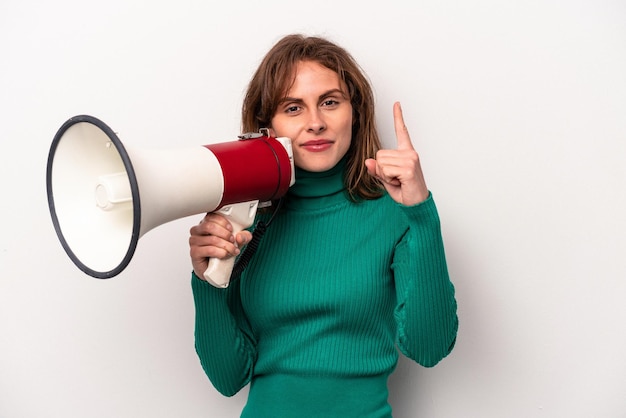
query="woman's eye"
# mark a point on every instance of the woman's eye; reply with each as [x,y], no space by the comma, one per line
[292,109]
[330,102]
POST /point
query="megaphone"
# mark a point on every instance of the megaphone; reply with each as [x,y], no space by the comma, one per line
[104,196]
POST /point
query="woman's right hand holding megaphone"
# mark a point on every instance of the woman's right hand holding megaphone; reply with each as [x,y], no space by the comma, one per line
[213,238]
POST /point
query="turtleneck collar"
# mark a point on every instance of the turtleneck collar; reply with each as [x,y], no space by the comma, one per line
[310,186]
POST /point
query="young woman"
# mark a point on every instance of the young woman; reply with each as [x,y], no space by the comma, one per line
[352,265]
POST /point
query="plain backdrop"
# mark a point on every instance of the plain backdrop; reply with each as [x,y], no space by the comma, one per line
[518,110]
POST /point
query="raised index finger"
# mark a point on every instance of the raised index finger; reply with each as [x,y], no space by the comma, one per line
[402,133]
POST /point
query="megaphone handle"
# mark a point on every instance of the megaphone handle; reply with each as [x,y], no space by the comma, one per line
[241,216]
[219,270]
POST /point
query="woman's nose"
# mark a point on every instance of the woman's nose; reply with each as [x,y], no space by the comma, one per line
[316,122]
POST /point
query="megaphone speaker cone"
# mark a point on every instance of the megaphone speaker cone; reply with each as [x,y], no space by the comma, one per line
[85,157]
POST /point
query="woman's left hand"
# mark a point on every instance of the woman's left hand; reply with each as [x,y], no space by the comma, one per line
[400,170]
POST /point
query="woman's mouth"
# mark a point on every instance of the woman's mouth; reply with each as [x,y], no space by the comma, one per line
[317,145]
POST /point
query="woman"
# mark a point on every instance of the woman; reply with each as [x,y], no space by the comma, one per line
[352,265]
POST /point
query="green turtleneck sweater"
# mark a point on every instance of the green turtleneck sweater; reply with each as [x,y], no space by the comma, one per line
[335,286]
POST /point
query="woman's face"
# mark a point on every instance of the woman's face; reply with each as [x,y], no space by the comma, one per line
[316,114]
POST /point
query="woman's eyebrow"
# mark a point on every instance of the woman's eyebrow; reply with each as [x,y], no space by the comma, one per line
[323,95]
[290,100]
[333,92]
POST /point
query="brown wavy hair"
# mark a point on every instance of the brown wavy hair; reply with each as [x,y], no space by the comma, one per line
[276,74]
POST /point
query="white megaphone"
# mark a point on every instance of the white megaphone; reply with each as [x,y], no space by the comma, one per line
[103,197]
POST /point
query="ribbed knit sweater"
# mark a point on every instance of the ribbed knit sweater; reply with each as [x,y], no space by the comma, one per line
[335,286]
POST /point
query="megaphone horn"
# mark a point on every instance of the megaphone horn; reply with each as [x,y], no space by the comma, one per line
[103,196]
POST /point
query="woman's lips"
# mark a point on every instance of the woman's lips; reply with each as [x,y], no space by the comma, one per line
[317,145]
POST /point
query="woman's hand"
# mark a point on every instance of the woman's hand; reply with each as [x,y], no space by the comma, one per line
[213,238]
[400,170]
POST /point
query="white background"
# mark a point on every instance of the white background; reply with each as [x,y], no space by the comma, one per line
[518,109]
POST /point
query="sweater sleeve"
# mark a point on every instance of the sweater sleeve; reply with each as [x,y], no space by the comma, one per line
[426,310]
[223,342]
